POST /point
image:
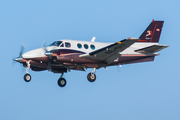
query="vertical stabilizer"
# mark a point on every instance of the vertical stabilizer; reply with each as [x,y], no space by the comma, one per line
[152,32]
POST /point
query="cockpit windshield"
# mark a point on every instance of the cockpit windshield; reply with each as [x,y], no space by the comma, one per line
[56,43]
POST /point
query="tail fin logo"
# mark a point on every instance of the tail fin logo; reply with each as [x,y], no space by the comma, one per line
[149,33]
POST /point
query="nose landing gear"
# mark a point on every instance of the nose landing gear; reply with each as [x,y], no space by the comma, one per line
[27,76]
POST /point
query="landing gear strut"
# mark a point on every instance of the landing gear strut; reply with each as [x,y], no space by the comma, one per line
[61,82]
[27,76]
[91,76]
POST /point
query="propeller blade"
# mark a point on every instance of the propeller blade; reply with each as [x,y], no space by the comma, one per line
[44,47]
[13,60]
[49,66]
[21,50]
[118,66]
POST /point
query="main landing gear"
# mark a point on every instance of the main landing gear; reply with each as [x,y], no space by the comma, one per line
[27,76]
[61,82]
[91,76]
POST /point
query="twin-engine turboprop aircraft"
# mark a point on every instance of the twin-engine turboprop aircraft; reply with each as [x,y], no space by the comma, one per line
[66,55]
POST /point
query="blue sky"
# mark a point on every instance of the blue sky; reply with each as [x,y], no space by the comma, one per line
[144,91]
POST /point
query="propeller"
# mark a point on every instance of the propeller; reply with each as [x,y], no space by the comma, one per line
[22,50]
[118,66]
[44,47]
[13,60]
[48,54]
[19,59]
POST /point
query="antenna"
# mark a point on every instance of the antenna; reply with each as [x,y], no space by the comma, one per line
[93,39]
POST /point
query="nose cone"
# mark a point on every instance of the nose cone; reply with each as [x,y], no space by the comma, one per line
[18,59]
[33,53]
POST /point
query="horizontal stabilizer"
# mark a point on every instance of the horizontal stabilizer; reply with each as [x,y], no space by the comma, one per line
[151,49]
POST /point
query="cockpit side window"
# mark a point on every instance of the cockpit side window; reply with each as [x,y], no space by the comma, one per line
[56,43]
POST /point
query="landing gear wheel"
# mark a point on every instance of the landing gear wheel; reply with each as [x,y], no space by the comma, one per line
[27,77]
[61,82]
[91,77]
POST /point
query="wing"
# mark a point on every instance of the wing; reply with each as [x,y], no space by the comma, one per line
[111,52]
[151,49]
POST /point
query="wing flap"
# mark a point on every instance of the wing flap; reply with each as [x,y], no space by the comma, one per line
[151,49]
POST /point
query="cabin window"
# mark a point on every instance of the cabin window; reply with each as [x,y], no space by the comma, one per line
[56,43]
[92,47]
[85,46]
[68,45]
[79,45]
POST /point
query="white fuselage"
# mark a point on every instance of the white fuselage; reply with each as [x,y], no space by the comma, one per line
[98,45]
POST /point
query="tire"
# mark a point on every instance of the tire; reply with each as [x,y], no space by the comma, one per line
[27,77]
[91,77]
[62,82]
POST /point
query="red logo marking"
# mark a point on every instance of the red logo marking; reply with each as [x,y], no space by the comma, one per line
[149,33]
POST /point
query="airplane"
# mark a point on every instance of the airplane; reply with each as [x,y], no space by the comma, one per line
[65,55]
